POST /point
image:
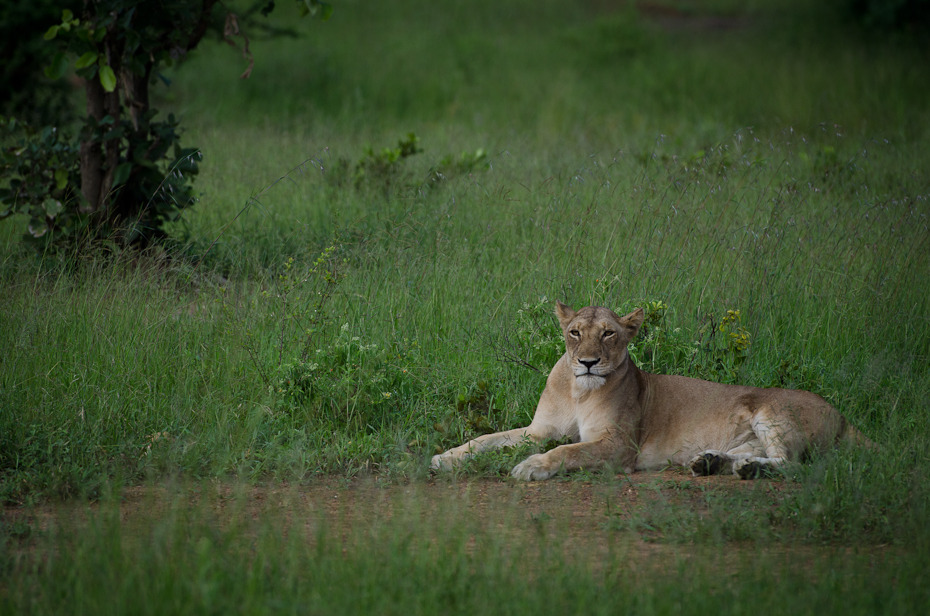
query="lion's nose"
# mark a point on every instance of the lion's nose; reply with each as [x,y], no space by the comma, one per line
[587,363]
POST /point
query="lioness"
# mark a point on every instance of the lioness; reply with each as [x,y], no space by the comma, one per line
[615,413]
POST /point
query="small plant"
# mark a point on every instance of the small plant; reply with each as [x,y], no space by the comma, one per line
[539,335]
[715,352]
[535,343]
[659,348]
[476,408]
[346,383]
[798,373]
[383,168]
[451,166]
[302,319]
[829,168]
[475,414]
[724,346]
[299,295]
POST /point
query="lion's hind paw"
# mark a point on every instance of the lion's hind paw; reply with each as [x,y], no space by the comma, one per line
[708,463]
[753,469]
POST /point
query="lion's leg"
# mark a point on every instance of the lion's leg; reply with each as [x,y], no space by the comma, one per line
[587,454]
[776,435]
[498,440]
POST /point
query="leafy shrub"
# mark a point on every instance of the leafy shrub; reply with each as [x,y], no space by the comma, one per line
[316,379]
[45,179]
[43,171]
[347,383]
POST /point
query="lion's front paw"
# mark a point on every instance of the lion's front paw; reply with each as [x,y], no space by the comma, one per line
[534,468]
[442,462]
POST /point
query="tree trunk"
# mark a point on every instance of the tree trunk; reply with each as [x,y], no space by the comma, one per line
[90,152]
[111,146]
[99,158]
[136,96]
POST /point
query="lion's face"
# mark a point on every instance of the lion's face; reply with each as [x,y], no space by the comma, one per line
[596,340]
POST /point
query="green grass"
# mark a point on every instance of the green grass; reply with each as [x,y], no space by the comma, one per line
[307,321]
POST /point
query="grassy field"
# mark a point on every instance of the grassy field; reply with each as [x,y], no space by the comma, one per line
[388,209]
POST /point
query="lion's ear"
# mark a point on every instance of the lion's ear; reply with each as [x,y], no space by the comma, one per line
[632,321]
[564,313]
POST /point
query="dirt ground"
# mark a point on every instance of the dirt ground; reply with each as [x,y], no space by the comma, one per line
[584,516]
[594,522]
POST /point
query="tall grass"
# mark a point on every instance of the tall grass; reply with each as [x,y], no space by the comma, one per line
[311,320]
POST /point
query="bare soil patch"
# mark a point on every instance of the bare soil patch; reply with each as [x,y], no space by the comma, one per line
[581,516]
[569,520]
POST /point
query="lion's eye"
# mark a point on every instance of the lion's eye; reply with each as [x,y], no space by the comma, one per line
[608,334]
[574,333]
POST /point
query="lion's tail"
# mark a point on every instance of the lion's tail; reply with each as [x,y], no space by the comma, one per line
[851,434]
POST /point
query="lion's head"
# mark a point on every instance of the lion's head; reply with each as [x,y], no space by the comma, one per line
[596,340]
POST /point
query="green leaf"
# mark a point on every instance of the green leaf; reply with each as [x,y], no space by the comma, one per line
[122,174]
[52,207]
[114,133]
[67,15]
[107,78]
[58,67]
[61,178]
[51,33]
[37,228]
[86,60]
[316,8]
